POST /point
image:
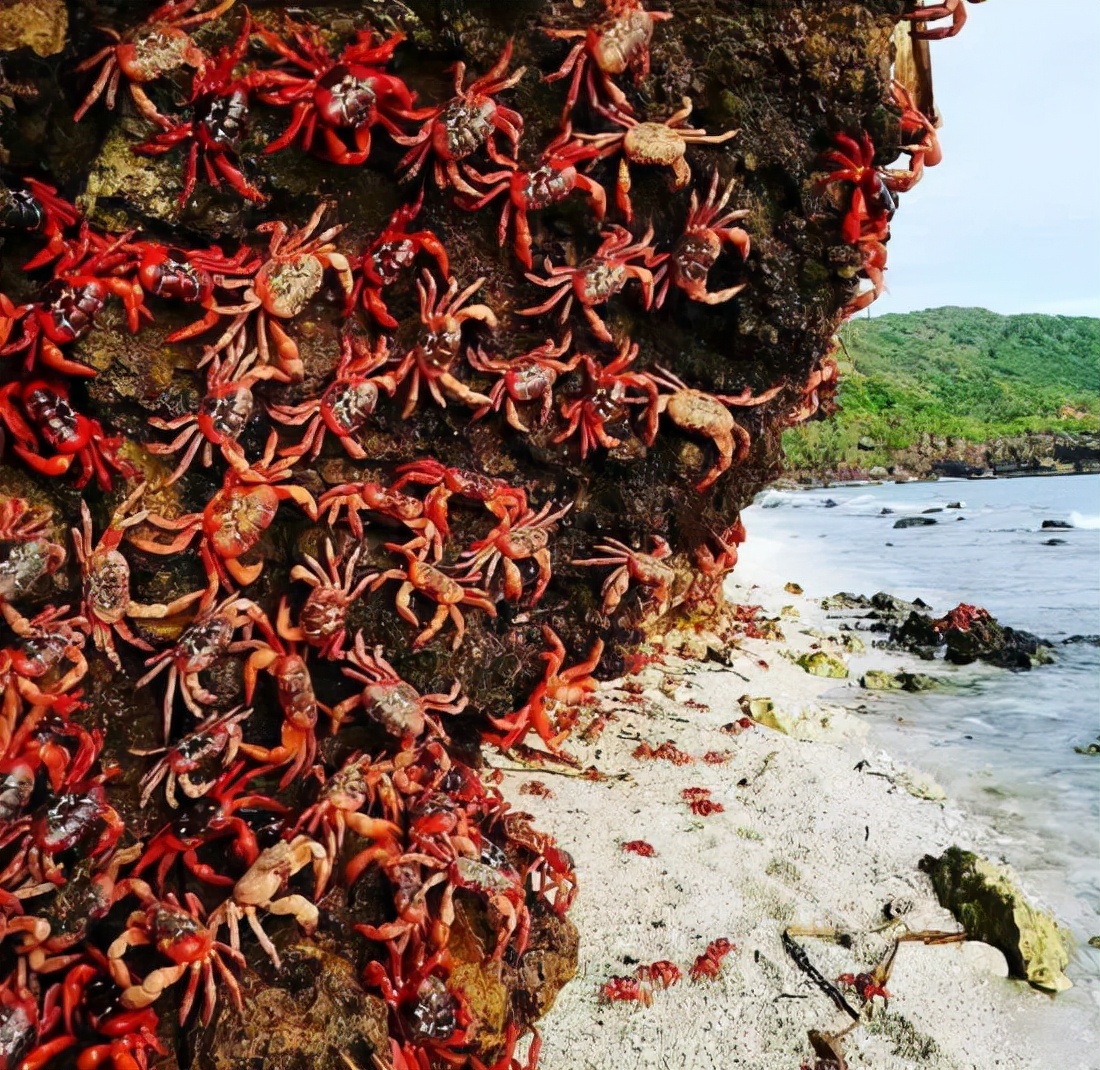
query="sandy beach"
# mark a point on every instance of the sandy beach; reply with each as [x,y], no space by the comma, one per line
[818,833]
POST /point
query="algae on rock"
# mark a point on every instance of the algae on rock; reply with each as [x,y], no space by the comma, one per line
[991,907]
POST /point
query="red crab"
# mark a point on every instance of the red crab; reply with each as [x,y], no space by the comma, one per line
[866,985]
[106,575]
[639,847]
[186,275]
[70,303]
[604,399]
[599,278]
[393,251]
[132,1034]
[655,144]
[440,343]
[357,498]
[647,569]
[458,128]
[706,231]
[215,131]
[223,413]
[38,209]
[924,151]
[447,593]
[72,436]
[339,808]
[499,497]
[216,818]
[662,973]
[341,98]
[25,1026]
[346,404]
[615,44]
[218,736]
[568,687]
[157,46]
[526,378]
[208,637]
[79,818]
[235,518]
[706,414]
[179,933]
[952,9]
[530,191]
[297,700]
[279,289]
[709,963]
[42,669]
[322,619]
[525,539]
[873,204]
[873,268]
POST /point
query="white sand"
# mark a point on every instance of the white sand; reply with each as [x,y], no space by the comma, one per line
[806,839]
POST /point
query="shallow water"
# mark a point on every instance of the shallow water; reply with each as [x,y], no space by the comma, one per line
[1000,743]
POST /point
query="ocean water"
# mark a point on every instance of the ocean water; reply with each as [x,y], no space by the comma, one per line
[1000,743]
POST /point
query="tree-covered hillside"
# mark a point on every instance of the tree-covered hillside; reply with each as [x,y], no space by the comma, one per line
[954,374]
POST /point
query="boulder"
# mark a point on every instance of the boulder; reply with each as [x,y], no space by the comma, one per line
[879,680]
[818,663]
[1060,525]
[914,522]
[988,903]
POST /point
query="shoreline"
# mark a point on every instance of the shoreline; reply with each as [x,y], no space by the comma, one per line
[817,832]
[788,483]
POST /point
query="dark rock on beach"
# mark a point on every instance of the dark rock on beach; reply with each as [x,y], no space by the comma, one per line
[914,522]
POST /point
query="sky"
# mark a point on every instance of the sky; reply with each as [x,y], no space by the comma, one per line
[1010,220]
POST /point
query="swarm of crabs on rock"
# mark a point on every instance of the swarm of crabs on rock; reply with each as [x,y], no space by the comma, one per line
[372,378]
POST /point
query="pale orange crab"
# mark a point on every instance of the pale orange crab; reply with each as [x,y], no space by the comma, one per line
[442,317]
[612,45]
[279,289]
[707,230]
[322,619]
[524,540]
[390,701]
[659,144]
[262,888]
[647,569]
[705,414]
[448,593]
[339,808]
[106,574]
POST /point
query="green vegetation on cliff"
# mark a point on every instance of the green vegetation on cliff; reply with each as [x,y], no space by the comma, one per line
[954,373]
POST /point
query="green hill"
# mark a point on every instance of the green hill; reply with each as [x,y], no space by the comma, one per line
[953,376]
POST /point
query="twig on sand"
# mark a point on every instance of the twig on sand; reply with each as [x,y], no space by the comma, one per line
[802,961]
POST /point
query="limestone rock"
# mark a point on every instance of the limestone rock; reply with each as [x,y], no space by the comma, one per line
[986,900]
[40,25]
[818,663]
[322,1014]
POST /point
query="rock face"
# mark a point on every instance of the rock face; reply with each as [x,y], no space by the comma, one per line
[641,549]
[987,903]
